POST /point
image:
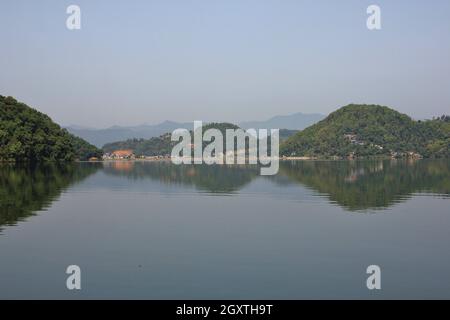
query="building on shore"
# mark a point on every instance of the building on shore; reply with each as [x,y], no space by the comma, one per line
[119,155]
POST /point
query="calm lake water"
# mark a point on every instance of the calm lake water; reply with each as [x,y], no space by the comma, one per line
[154,230]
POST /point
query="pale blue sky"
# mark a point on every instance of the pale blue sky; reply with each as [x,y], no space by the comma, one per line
[139,62]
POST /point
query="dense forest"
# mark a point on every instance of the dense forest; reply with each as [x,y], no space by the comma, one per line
[29,135]
[370,130]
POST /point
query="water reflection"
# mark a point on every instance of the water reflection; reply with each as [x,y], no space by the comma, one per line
[26,189]
[353,185]
[362,185]
[224,179]
[160,234]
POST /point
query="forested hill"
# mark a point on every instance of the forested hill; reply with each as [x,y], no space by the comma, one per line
[29,135]
[161,145]
[370,130]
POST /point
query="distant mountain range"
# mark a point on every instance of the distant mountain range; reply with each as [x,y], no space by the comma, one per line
[100,137]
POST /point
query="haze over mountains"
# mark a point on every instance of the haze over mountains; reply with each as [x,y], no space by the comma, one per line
[100,137]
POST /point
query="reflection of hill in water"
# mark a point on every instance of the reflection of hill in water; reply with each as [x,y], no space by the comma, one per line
[354,185]
[27,189]
[211,178]
[361,185]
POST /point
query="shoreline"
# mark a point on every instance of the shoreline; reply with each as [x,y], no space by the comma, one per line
[279,159]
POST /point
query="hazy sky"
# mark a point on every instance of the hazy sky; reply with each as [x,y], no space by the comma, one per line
[137,62]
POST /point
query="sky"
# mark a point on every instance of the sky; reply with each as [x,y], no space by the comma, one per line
[135,62]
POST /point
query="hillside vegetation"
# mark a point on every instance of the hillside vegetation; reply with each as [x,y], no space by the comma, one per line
[161,145]
[29,135]
[370,130]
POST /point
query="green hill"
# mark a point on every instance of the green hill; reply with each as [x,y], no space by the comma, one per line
[161,145]
[370,130]
[143,147]
[29,135]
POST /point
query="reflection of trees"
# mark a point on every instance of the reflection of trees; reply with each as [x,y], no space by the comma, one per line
[211,178]
[359,185]
[354,185]
[25,189]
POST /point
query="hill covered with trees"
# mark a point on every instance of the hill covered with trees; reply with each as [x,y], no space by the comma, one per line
[370,130]
[29,135]
[161,145]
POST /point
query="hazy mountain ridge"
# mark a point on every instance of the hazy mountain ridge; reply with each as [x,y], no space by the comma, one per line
[100,137]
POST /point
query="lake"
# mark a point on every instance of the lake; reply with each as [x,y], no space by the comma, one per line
[154,230]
